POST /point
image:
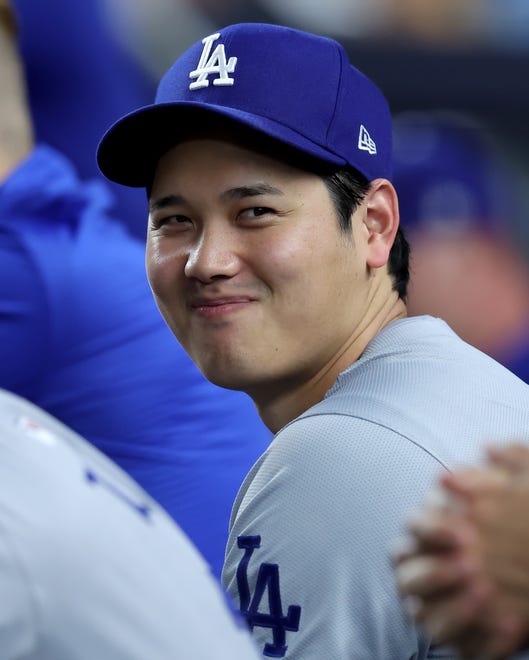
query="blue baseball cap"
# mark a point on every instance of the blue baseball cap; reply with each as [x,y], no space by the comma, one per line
[294,87]
[449,174]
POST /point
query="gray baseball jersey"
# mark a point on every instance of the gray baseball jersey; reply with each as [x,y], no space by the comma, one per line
[312,528]
[90,567]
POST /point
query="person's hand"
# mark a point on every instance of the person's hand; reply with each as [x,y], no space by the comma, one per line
[512,460]
[458,572]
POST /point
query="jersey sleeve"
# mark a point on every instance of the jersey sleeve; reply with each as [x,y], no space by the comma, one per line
[308,558]
[24,333]
[17,626]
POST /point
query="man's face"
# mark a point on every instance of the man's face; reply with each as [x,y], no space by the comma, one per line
[7,18]
[249,267]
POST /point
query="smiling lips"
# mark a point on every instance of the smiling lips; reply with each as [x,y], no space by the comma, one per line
[218,307]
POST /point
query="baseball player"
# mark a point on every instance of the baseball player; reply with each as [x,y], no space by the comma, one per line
[90,566]
[275,256]
[460,201]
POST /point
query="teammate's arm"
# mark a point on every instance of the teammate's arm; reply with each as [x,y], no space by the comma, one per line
[17,624]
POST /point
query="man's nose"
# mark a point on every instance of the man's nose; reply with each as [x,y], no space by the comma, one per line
[214,255]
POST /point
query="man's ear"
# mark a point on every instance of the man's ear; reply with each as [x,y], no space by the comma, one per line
[381,221]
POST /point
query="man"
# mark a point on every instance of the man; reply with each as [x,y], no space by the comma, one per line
[90,566]
[80,335]
[275,256]
[465,563]
[460,201]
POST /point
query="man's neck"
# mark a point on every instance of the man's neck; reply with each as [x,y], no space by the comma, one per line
[280,403]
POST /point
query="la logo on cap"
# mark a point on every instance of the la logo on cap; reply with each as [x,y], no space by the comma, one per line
[210,64]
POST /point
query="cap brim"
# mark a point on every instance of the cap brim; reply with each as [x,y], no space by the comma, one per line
[129,151]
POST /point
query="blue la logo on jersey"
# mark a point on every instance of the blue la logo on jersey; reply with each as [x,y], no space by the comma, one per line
[267,582]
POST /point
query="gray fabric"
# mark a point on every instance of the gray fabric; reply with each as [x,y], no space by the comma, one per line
[90,567]
[329,498]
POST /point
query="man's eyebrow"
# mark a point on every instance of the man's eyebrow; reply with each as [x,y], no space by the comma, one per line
[252,190]
[164,202]
[240,192]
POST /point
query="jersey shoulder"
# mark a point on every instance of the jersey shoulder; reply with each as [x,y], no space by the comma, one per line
[89,543]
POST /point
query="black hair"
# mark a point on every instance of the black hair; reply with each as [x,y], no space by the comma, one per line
[347,188]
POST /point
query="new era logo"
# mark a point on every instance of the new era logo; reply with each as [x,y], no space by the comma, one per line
[365,142]
[211,63]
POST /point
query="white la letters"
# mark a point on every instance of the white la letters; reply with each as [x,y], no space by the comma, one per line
[211,64]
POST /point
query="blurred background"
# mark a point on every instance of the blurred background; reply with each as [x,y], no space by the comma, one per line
[465,61]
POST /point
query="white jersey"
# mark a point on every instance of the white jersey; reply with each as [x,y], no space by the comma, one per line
[312,528]
[91,568]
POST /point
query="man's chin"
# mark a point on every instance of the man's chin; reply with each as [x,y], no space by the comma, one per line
[228,380]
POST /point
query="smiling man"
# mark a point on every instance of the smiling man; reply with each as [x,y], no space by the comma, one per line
[247,226]
[275,255]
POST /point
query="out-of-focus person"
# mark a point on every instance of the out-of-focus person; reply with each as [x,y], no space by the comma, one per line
[81,337]
[465,567]
[90,566]
[459,202]
[79,76]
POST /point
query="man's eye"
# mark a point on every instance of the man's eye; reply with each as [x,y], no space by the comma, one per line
[170,221]
[256,211]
